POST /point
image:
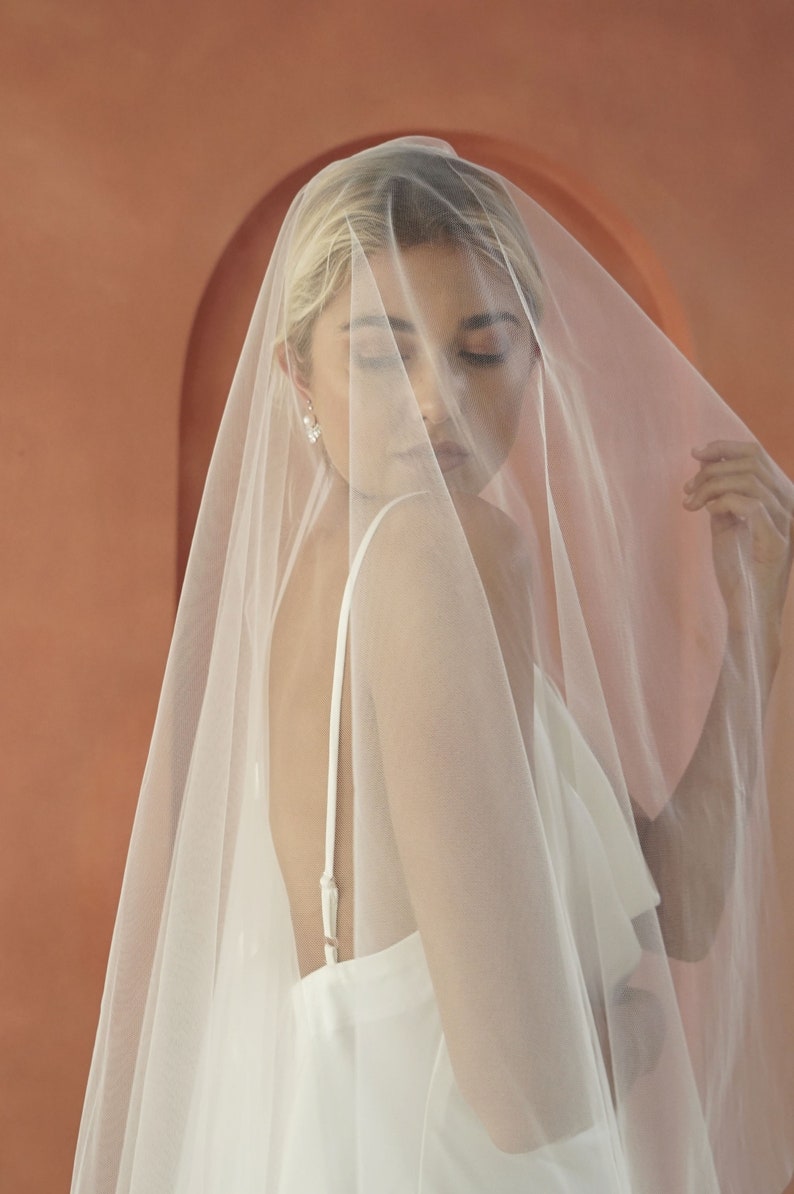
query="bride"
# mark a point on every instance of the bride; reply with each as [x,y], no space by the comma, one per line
[460,748]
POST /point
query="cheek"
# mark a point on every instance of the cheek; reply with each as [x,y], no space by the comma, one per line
[383,406]
[494,410]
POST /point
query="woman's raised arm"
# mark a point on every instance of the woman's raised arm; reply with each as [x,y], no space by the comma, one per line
[751,503]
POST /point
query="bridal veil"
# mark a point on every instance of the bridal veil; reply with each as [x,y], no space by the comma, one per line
[547,949]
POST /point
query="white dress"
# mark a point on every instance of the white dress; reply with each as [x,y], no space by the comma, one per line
[369,1032]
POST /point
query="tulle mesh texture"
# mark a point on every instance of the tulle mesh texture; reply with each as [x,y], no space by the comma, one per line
[465,654]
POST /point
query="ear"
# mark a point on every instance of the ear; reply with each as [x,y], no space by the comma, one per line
[291,369]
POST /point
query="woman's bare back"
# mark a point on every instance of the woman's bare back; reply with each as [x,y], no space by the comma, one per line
[300,682]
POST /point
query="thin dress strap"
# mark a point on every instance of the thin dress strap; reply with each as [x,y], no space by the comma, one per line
[329,893]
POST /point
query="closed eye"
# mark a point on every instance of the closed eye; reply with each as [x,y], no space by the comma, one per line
[484,360]
[391,360]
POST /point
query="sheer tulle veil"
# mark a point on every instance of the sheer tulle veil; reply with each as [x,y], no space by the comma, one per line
[546,953]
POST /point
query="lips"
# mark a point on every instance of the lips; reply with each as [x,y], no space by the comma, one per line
[449,454]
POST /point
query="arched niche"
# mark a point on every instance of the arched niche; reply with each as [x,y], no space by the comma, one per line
[227,302]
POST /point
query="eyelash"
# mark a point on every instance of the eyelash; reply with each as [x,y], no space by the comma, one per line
[484,360]
[480,360]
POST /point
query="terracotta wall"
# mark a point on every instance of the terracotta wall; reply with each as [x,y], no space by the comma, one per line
[136,137]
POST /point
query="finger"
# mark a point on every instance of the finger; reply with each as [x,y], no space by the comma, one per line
[774,479]
[745,484]
[768,541]
[728,449]
[723,452]
[751,464]
[742,482]
[748,482]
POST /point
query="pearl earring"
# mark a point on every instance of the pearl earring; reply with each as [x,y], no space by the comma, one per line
[313,428]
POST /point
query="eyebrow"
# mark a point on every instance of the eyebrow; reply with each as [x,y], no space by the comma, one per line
[472,324]
[378,321]
[487,319]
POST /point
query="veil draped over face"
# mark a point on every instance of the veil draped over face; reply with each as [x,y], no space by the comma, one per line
[451,870]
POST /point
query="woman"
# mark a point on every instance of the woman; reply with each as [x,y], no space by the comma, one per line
[460,740]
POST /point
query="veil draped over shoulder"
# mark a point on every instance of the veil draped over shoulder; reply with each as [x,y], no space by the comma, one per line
[451,870]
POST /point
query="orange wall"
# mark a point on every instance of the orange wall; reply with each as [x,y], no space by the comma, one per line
[137,136]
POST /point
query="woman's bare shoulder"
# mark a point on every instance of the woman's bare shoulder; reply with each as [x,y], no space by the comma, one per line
[494,539]
[420,541]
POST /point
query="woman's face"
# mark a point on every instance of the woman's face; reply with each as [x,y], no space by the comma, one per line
[420,363]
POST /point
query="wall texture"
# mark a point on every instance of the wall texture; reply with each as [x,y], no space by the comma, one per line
[136,138]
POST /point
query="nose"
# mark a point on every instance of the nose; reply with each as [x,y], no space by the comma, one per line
[434,390]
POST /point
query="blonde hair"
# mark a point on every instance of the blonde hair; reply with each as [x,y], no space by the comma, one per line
[407,196]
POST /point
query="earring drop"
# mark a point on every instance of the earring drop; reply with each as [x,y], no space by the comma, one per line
[313,428]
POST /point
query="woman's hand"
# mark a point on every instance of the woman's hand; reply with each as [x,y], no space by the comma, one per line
[751,505]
